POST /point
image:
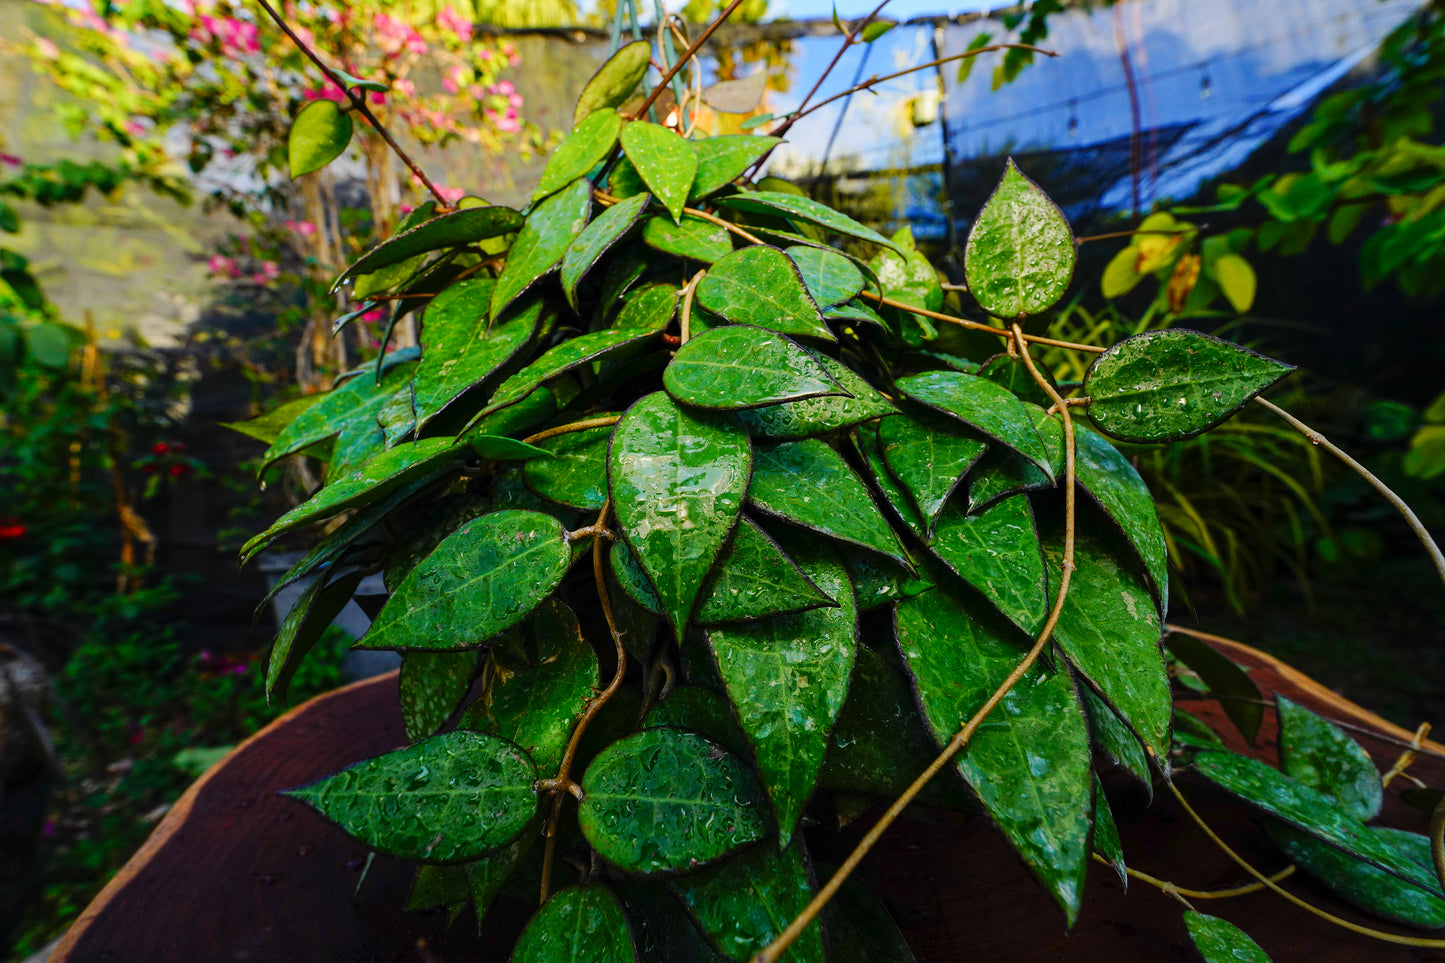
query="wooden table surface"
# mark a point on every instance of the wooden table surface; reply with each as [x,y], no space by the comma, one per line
[236,872]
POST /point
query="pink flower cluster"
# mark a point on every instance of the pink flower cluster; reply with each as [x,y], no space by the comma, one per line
[303,228]
[236,37]
[393,36]
[449,19]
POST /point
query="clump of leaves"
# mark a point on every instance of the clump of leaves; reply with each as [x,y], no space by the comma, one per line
[690,520]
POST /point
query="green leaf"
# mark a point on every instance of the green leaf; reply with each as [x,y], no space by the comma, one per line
[1192,732]
[587,146]
[664,160]
[633,580]
[1002,473]
[1030,768]
[311,613]
[649,308]
[755,579]
[744,903]
[876,29]
[665,801]
[1172,384]
[701,710]
[596,239]
[268,425]
[1020,253]
[48,345]
[1236,279]
[438,886]
[1113,482]
[1121,274]
[983,406]
[480,581]
[865,438]
[661,928]
[1320,754]
[1239,696]
[577,925]
[997,552]
[606,345]
[1360,884]
[1112,737]
[460,348]
[878,583]
[809,484]
[320,134]
[448,231]
[740,366]
[929,459]
[805,209]
[615,80]
[447,799]
[692,237]
[860,929]
[432,685]
[1310,810]
[1106,834]
[536,705]
[829,277]
[756,121]
[810,417]
[1219,941]
[759,285]
[721,160]
[356,83]
[787,677]
[576,475]
[550,229]
[906,275]
[677,488]
[965,66]
[1011,372]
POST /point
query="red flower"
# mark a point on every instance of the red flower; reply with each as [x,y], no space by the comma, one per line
[148,469]
[10,532]
[178,470]
[160,448]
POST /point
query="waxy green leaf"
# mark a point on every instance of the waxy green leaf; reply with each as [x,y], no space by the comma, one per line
[1320,754]
[432,685]
[649,308]
[615,80]
[787,677]
[587,146]
[1220,941]
[877,582]
[701,710]
[1113,482]
[759,285]
[1010,371]
[1360,884]
[997,551]
[865,438]
[1031,768]
[487,876]
[666,163]
[268,425]
[810,417]
[1113,737]
[576,475]
[550,229]
[436,886]
[480,581]
[677,487]
[354,404]
[456,229]
[320,134]
[1173,384]
[800,208]
[928,458]
[1002,473]
[692,238]
[596,240]
[447,799]
[316,607]
[1239,696]
[743,903]
[754,579]
[462,348]
[661,928]
[982,405]
[809,484]
[577,925]
[829,277]
[721,160]
[906,274]
[1106,835]
[607,345]
[740,366]
[666,801]
[1020,253]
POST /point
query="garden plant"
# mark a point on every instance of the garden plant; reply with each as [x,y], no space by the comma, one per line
[695,524]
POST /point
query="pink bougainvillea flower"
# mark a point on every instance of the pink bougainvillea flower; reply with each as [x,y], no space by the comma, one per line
[449,19]
[374,315]
[304,228]
[10,160]
[47,48]
[223,267]
[404,87]
[451,194]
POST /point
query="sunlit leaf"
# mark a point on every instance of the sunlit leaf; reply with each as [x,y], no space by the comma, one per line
[320,134]
[740,366]
[587,146]
[759,285]
[596,239]
[664,160]
[549,231]
[615,80]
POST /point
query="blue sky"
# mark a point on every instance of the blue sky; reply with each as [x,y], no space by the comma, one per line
[897,9]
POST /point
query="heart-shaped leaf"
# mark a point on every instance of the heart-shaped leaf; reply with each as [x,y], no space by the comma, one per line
[760,286]
[580,924]
[1320,754]
[801,208]
[830,277]
[615,80]
[596,239]
[930,459]
[664,160]
[456,229]
[543,240]
[447,799]
[321,133]
[701,710]
[432,685]
[721,160]
[810,417]
[461,348]
[692,237]
[997,551]
[740,366]
[1172,384]
[587,146]
[1220,941]
[982,405]
[1020,253]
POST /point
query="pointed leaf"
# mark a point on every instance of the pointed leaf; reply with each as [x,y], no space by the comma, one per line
[633,580]
[355,402]
[830,277]
[1106,834]
[878,583]
[450,230]
[1020,253]
[1360,884]
[462,348]
[577,925]
[666,800]
[615,80]
[1112,737]
[997,552]
[550,229]
[692,237]
[1031,768]
[677,487]
[432,685]
[740,366]
[649,308]
[436,886]
[721,160]
[1002,473]
[860,929]
[810,417]
[982,405]
[1320,754]
[480,581]
[755,579]
[487,876]
[447,799]
[744,903]
[576,475]
[268,425]
[1010,372]
[805,209]
[930,459]
[787,677]
[905,273]
[660,926]
[320,134]
[737,96]
[587,146]
[609,344]
[664,160]
[759,285]
[596,239]
[1172,384]
[1113,482]
[865,437]
[310,615]
[1219,941]
[1239,696]
[809,484]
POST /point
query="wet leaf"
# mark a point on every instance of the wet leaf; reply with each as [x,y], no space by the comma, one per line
[1219,941]
[650,308]
[787,677]
[661,928]
[611,344]
[740,366]
[462,348]
[983,406]
[320,134]
[721,160]
[319,603]
[1173,384]
[997,552]
[1320,754]
[456,229]
[577,474]
[550,229]
[865,437]
[1002,473]
[480,581]
[432,685]
[268,425]
[666,800]
[577,925]
[666,163]
[1009,371]
[1031,768]
[615,80]
[447,799]
[1020,253]
[487,876]
[701,710]
[1360,884]
[809,484]
[928,458]
[677,487]
[805,209]
[1239,696]
[810,417]
[743,903]
[587,146]
[355,403]
[437,886]
[755,579]
[829,277]
[596,240]
[692,237]
[906,274]
[1191,731]
[877,582]
[1112,737]
[633,580]
[759,285]
[1112,481]
[1106,834]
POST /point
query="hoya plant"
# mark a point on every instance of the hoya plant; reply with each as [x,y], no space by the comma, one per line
[704,522]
